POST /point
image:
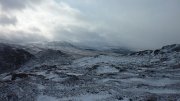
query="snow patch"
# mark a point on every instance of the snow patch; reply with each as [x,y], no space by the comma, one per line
[46,98]
[75,74]
[87,97]
[106,69]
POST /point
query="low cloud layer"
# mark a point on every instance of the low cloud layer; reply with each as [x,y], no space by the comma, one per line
[140,24]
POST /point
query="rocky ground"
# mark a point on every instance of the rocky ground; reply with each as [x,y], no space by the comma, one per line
[58,76]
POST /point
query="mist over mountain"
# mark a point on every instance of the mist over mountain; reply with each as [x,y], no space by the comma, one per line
[134,24]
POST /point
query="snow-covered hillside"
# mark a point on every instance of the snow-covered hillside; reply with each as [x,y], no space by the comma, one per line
[60,74]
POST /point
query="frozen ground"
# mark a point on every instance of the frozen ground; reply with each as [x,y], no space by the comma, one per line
[97,78]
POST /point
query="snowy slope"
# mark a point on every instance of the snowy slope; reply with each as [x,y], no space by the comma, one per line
[56,75]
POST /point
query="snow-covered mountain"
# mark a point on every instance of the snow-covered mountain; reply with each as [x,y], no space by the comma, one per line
[59,71]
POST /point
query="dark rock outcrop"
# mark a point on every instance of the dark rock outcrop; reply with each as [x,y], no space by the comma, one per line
[12,58]
[19,75]
[141,53]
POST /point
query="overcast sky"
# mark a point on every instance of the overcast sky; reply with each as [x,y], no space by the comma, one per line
[140,24]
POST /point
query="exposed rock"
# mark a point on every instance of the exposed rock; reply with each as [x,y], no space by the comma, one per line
[12,58]
[141,53]
[19,75]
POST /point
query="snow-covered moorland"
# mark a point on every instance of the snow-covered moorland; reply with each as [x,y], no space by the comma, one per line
[69,73]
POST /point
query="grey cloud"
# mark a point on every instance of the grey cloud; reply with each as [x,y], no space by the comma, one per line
[13,4]
[35,29]
[80,35]
[20,36]
[141,24]
[5,20]
[7,5]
